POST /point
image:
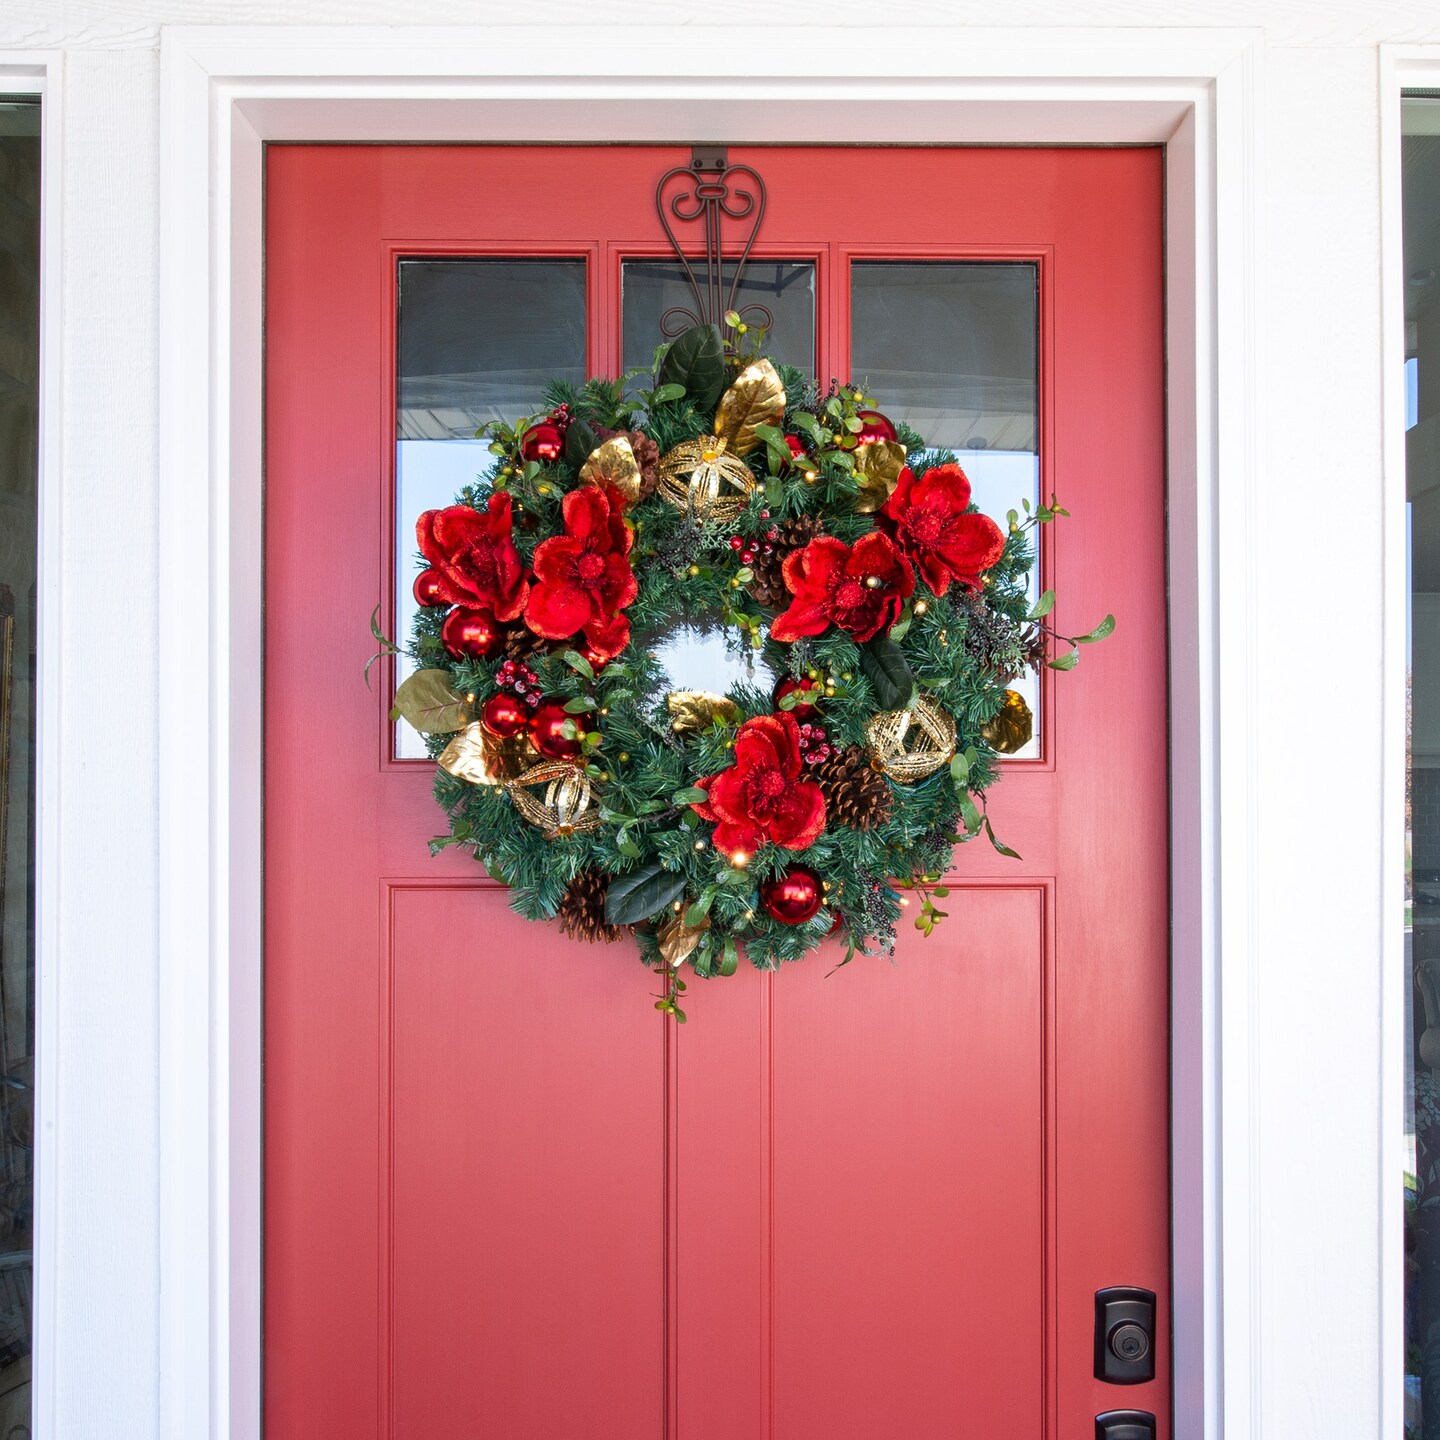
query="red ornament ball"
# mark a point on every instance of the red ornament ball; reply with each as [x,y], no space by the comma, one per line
[793,898]
[505,716]
[547,730]
[543,442]
[796,446]
[874,426]
[471,632]
[597,661]
[803,711]
[427,589]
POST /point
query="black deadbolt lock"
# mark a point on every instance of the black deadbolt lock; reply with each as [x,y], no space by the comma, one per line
[1125,1425]
[1124,1338]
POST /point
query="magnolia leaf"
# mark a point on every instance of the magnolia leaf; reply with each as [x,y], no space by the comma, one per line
[580,440]
[641,894]
[428,701]
[695,361]
[1104,628]
[1043,606]
[878,464]
[677,938]
[886,669]
[756,398]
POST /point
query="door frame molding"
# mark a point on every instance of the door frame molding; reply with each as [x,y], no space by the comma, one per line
[227,92]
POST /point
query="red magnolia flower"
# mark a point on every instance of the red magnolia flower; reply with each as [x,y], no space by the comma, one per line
[763,796]
[474,557]
[928,520]
[583,578]
[859,588]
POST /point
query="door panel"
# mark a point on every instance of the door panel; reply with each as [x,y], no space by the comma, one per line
[502,1197]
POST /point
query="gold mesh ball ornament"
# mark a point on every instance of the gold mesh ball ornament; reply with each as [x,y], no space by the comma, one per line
[911,744]
[1012,726]
[704,477]
[565,810]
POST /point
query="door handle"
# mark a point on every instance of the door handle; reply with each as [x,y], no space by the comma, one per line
[1125,1425]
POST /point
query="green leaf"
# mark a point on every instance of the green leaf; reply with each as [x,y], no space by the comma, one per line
[695,362]
[1068,661]
[580,440]
[429,702]
[996,842]
[941,890]
[579,705]
[971,815]
[641,894]
[628,848]
[959,769]
[1104,628]
[1043,606]
[690,795]
[576,661]
[887,671]
[665,393]
[772,434]
[697,910]
[731,957]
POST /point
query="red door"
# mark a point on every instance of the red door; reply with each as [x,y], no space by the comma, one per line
[504,1197]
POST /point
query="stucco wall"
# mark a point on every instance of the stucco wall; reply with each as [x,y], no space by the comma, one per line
[1317,147]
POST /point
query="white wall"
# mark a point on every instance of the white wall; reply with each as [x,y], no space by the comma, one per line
[1318,823]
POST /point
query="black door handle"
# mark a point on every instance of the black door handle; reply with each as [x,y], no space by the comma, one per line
[1125,1425]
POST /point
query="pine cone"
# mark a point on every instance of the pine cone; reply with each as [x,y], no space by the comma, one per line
[582,911]
[647,455]
[855,793]
[768,587]
[521,642]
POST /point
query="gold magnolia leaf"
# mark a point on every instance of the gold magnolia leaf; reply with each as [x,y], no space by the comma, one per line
[1012,726]
[429,702]
[696,709]
[878,464]
[614,463]
[677,940]
[756,398]
[484,759]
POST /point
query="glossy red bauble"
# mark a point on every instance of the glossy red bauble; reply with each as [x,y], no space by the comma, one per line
[427,588]
[874,427]
[543,442]
[471,632]
[794,897]
[597,661]
[797,447]
[802,712]
[547,731]
[505,716]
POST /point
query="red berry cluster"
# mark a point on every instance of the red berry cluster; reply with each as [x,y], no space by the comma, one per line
[520,680]
[560,416]
[814,744]
[748,549]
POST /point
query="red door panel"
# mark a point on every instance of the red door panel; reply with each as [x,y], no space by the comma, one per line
[503,1199]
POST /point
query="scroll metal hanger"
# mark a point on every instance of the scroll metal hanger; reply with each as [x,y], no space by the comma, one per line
[708,193]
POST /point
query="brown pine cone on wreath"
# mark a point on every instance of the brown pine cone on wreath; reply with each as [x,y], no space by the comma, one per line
[521,642]
[582,911]
[647,455]
[768,586]
[856,794]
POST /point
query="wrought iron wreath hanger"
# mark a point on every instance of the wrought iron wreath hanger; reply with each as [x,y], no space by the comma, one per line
[708,193]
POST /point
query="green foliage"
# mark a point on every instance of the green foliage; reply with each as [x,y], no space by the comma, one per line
[958,649]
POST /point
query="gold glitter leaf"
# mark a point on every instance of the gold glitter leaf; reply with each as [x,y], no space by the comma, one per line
[695,709]
[756,398]
[677,940]
[1012,726]
[614,463]
[877,468]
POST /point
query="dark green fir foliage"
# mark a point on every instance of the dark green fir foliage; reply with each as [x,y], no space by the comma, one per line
[959,649]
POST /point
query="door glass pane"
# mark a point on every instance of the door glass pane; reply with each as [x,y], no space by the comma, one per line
[1421,198]
[476,340]
[19,455]
[951,349]
[786,288]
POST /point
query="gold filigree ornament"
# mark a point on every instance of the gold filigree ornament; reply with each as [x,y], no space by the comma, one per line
[702,476]
[756,398]
[910,744]
[565,810]
[697,709]
[483,759]
[614,463]
[878,464]
[1012,726]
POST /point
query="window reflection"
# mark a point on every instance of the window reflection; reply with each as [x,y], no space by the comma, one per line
[477,340]
[951,349]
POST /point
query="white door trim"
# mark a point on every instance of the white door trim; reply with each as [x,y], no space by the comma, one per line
[225,93]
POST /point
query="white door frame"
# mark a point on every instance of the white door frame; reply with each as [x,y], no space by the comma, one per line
[225,93]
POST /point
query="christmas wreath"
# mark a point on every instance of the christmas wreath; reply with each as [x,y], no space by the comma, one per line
[887,615]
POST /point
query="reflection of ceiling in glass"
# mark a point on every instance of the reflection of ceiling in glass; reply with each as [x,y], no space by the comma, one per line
[949,348]
[479,338]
